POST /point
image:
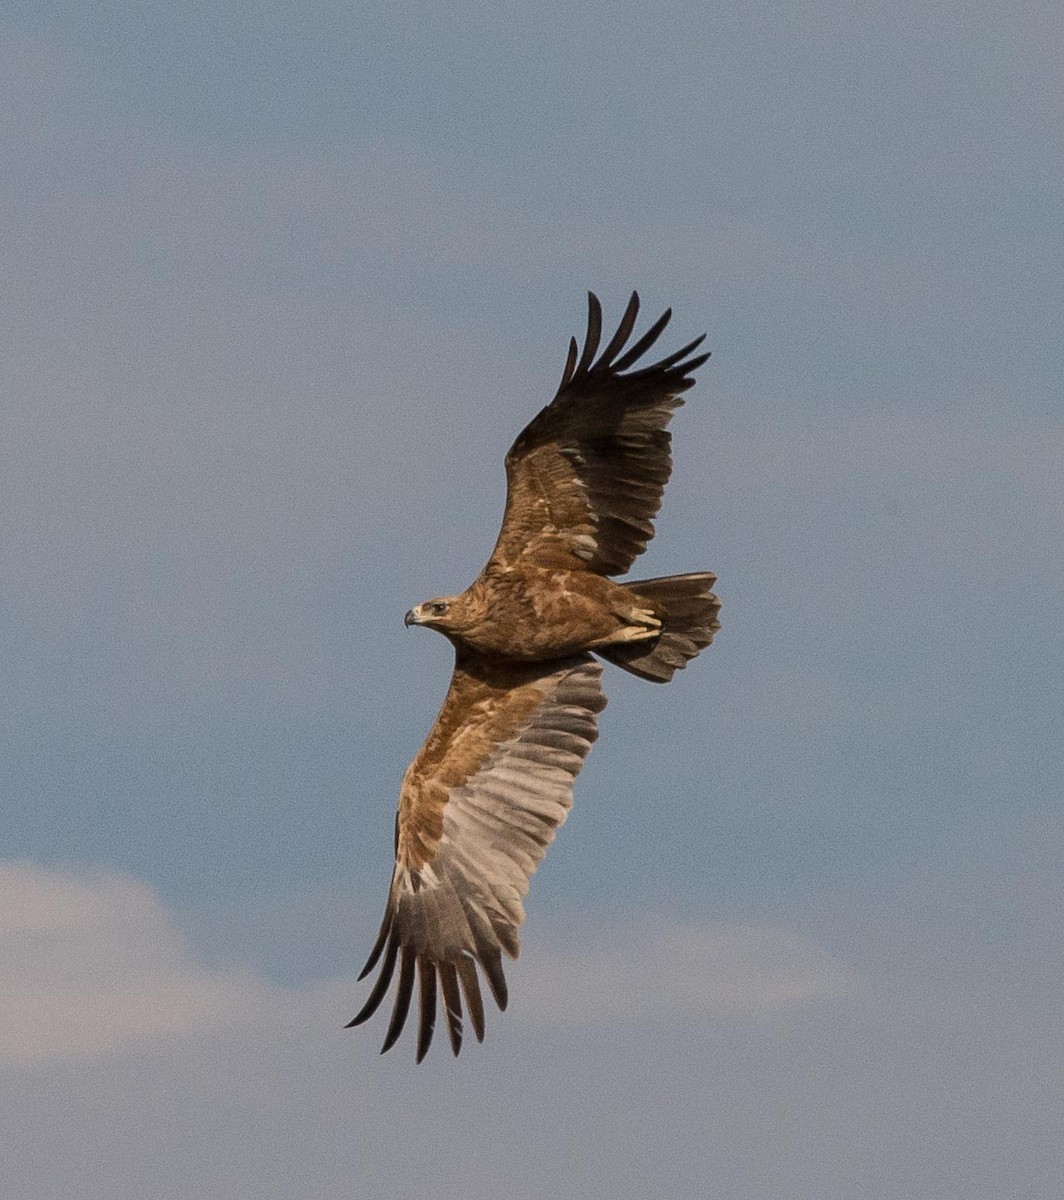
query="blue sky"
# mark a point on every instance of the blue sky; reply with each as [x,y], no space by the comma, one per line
[281,286]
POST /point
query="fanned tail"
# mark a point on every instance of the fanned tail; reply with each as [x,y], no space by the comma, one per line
[688,612]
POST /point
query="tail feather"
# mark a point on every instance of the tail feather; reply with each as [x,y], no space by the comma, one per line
[688,612]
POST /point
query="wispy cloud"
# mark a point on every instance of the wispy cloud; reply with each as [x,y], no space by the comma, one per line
[250,1088]
[92,962]
[699,974]
[95,961]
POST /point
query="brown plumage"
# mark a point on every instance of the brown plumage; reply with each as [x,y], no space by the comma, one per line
[480,803]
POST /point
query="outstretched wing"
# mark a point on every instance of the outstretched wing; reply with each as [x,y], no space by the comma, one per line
[586,476]
[477,810]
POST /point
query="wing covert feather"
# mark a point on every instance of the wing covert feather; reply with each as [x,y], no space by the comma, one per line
[586,476]
[478,808]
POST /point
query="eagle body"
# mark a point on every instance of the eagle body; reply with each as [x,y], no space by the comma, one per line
[531,613]
[482,800]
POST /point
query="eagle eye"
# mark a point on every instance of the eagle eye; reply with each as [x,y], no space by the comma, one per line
[438,607]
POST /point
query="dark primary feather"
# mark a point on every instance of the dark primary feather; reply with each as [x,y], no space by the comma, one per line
[624,332]
[594,333]
[452,1004]
[403,991]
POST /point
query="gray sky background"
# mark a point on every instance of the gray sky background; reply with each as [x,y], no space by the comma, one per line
[281,285]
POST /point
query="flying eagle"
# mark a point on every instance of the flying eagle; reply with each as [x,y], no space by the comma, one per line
[480,803]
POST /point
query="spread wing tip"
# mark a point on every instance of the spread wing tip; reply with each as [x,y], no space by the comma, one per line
[438,983]
[581,364]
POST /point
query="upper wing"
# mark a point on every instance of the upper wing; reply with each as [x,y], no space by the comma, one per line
[586,476]
[477,810]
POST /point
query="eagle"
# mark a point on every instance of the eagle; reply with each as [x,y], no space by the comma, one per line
[481,802]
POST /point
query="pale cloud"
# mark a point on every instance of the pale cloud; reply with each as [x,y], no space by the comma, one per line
[94,961]
[141,1071]
[700,974]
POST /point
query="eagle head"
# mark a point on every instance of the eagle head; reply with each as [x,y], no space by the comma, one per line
[433,613]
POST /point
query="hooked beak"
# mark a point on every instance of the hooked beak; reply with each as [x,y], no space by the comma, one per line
[411,617]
